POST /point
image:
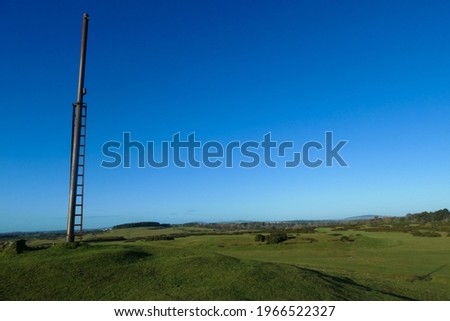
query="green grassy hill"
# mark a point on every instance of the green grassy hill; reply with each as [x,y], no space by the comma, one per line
[374,266]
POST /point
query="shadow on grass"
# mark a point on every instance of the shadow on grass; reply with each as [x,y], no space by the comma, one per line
[38,247]
[427,277]
[338,281]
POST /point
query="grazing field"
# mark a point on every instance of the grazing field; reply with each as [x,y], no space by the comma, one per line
[205,264]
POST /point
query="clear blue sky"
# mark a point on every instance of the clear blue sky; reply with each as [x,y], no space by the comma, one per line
[376,73]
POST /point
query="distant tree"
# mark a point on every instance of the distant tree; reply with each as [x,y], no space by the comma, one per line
[276,237]
[260,238]
[442,215]
[346,239]
[140,224]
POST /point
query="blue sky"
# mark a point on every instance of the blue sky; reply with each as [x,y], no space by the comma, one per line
[376,73]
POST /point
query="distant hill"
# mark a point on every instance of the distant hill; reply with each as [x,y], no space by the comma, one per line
[360,218]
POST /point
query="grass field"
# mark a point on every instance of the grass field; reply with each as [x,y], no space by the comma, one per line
[204,266]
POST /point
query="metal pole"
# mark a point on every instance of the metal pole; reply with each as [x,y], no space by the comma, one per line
[70,237]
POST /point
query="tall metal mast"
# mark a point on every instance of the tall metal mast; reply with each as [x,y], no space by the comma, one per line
[77,163]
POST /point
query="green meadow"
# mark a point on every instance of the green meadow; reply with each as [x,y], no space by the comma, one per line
[206,264]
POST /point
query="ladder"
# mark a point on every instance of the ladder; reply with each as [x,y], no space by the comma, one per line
[79,200]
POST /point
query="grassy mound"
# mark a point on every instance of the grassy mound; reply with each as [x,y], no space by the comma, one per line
[132,272]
